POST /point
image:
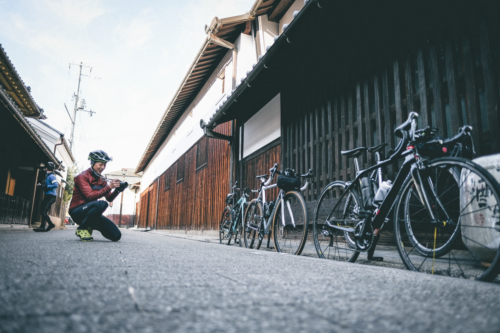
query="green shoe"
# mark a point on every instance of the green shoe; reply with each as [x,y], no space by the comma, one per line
[84,234]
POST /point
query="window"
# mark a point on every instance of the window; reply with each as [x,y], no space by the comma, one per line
[180,168]
[166,178]
[202,153]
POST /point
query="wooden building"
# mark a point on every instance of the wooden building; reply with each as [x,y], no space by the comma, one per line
[23,151]
[336,75]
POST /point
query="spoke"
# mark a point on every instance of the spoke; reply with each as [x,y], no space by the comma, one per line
[449,268]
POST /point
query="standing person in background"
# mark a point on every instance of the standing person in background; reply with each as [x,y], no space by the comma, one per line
[50,188]
[85,209]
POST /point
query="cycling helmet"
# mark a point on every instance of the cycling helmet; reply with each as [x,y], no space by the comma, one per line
[50,166]
[99,156]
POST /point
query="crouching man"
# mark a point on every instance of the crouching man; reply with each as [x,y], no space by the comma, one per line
[85,209]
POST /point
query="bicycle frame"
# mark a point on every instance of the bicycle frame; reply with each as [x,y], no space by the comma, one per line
[241,204]
[262,199]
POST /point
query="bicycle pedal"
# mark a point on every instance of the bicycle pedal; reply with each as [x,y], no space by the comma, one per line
[378,259]
[326,233]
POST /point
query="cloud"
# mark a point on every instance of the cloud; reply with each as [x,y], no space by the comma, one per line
[79,13]
[139,31]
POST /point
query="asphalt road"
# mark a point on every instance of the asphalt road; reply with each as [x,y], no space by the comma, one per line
[52,282]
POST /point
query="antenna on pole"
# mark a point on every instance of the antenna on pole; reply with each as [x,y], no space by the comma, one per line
[79,102]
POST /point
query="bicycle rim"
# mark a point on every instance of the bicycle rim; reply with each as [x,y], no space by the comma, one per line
[465,238]
[224,224]
[252,224]
[290,224]
[332,243]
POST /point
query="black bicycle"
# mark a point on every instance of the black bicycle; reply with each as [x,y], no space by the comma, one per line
[446,217]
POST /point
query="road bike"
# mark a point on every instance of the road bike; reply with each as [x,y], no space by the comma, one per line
[231,221]
[445,211]
[287,213]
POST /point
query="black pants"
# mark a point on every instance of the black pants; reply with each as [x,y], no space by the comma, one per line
[89,215]
[47,202]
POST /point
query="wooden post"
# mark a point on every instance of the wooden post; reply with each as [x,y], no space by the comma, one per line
[34,196]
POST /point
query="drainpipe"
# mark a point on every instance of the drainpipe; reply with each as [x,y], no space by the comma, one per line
[157,200]
[34,197]
[58,144]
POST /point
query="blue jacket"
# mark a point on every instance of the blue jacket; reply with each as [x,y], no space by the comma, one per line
[52,184]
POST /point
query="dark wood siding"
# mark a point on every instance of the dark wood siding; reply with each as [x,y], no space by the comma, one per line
[196,202]
[259,165]
[450,80]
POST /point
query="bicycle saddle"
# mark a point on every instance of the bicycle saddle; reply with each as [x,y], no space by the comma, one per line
[262,176]
[375,149]
[353,152]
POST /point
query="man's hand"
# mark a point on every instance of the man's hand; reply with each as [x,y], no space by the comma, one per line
[114,183]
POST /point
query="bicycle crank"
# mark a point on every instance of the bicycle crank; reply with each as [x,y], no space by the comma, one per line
[363,236]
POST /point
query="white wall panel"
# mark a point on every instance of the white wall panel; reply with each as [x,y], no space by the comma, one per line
[263,128]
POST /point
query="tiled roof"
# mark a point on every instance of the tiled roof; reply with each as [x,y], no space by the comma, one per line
[15,87]
[205,62]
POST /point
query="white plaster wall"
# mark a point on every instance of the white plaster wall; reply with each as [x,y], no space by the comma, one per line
[246,56]
[263,128]
[268,32]
[288,17]
[187,130]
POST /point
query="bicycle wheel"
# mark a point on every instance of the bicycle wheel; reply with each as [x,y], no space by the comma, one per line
[464,239]
[225,223]
[290,224]
[233,228]
[341,208]
[252,225]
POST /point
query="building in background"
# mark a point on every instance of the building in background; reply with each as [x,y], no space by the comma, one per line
[123,209]
[297,82]
[23,153]
[57,143]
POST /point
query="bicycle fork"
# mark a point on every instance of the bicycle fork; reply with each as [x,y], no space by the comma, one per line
[422,191]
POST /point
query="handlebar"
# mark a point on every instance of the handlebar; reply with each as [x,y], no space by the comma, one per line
[406,131]
[272,172]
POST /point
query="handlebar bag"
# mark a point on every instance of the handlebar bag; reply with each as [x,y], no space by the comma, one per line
[287,183]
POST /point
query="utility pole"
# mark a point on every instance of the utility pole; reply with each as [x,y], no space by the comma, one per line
[77,107]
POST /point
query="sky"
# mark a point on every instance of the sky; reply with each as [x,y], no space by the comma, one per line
[139,52]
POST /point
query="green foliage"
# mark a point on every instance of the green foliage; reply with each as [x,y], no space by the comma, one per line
[70,183]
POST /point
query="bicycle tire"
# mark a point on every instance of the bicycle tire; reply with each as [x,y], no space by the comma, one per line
[233,229]
[223,224]
[468,252]
[331,243]
[253,221]
[291,237]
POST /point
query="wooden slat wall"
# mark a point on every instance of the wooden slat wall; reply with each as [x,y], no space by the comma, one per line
[451,80]
[196,201]
[260,165]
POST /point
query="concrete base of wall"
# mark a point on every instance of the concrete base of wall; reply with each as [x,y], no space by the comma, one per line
[209,233]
